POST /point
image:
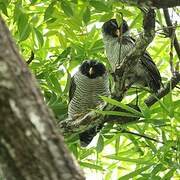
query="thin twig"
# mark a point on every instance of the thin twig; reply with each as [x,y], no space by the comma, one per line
[171,52]
[141,135]
[146,137]
[170,86]
[177,67]
[30,58]
[177,87]
[156,31]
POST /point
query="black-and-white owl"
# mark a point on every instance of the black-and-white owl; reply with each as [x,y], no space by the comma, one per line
[87,85]
[144,73]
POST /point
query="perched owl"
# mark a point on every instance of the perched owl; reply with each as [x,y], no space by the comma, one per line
[87,85]
[118,44]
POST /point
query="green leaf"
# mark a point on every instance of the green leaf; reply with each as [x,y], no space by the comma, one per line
[86,15]
[134,173]
[161,48]
[112,166]
[163,106]
[97,46]
[136,20]
[62,40]
[164,136]
[68,83]
[74,149]
[33,1]
[145,111]
[86,153]
[59,108]
[6,2]
[91,166]
[119,19]
[66,8]
[168,99]
[49,11]
[151,145]
[17,11]
[159,17]
[73,139]
[24,27]
[55,82]
[39,37]
[51,97]
[99,5]
[100,144]
[135,142]
[123,106]
[106,17]
[3,7]
[126,12]
[117,143]
[70,33]
[126,159]
[169,174]
[64,54]
[115,113]
[108,176]
[157,168]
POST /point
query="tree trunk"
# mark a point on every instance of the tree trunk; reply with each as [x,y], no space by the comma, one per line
[30,146]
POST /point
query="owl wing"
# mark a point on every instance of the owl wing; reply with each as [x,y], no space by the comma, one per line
[153,71]
[151,67]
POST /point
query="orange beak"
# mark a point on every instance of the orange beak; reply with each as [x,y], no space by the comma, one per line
[91,71]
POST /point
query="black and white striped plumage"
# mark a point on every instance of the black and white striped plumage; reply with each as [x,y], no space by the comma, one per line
[87,84]
[145,72]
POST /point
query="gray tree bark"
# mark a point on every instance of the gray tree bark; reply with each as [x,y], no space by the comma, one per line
[30,146]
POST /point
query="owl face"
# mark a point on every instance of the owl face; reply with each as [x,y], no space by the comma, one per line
[111,28]
[92,69]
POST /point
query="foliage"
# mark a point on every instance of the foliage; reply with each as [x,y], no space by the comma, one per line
[61,34]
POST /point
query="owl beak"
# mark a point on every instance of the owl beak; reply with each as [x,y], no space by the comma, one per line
[118,32]
[91,71]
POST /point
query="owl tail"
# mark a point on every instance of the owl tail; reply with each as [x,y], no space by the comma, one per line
[87,136]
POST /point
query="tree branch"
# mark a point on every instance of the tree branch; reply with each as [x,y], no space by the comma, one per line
[132,58]
[169,23]
[153,3]
[163,92]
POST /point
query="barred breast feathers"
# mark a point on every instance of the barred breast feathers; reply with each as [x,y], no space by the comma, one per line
[86,95]
[113,46]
